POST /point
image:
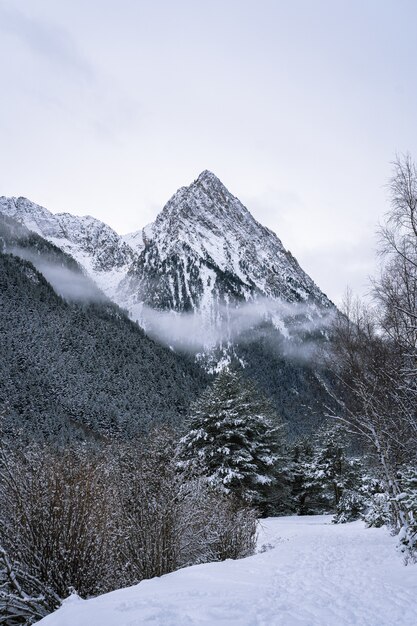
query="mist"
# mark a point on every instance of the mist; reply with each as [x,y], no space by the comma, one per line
[298,327]
[67,283]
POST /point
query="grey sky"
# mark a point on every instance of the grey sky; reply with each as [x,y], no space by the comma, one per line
[108,106]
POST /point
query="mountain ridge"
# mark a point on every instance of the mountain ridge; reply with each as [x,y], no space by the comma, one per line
[205,277]
[109,257]
[102,253]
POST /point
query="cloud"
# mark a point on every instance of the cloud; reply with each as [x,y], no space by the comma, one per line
[293,327]
[48,41]
[69,284]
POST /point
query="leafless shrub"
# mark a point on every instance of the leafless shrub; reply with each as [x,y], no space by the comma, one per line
[169,521]
[94,520]
[55,526]
[218,527]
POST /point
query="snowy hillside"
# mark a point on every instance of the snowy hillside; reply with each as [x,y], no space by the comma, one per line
[103,254]
[311,573]
[207,278]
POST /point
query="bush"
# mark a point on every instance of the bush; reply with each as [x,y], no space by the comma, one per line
[168,521]
[219,527]
[59,515]
[24,599]
[95,519]
[149,508]
[379,511]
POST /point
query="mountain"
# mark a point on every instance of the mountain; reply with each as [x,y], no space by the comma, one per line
[74,364]
[206,278]
[205,248]
[103,254]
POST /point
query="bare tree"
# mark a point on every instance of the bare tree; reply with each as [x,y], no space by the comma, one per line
[168,520]
[396,289]
[369,368]
[24,599]
[375,351]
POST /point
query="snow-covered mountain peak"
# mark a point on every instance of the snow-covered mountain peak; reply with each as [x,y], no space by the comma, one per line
[205,199]
[205,250]
[210,182]
[206,218]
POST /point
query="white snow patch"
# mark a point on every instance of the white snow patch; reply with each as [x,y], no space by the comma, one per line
[308,572]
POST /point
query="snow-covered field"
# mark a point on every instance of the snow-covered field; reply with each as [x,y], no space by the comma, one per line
[311,573]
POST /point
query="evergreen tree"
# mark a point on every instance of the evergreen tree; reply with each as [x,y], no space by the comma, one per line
[408,500]
[333,470]
[233,439]
[304,492]
[325,477]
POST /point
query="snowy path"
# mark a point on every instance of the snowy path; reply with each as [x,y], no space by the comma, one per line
[316,574]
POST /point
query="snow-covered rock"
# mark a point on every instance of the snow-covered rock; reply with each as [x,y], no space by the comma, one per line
[104,255]
[205,247]
[204,255]
[308,572]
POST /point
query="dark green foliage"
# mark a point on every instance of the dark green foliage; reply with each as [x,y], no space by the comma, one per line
[350,506]
[233,439]
[326,477]
[297,387]
[81,368]
[304,497]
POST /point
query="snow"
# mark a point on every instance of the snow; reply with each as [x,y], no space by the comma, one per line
[202,233]
[101,252]
[216,227]
[135,240]
[308,572]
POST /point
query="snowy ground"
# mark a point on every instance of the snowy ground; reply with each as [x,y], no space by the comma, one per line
[313,573]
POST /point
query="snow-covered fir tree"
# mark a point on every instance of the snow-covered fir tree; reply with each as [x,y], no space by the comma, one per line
[233,439]
[408,500]
[325,477]
[303,491]
[334,470]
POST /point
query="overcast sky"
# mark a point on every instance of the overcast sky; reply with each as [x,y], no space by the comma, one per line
[108,106]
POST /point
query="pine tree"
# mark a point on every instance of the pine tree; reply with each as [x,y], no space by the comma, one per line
[325,477]
[233,439]
[304,491]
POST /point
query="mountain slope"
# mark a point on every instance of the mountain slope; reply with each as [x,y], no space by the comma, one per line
[104,255]
[78,365]
[207,279]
